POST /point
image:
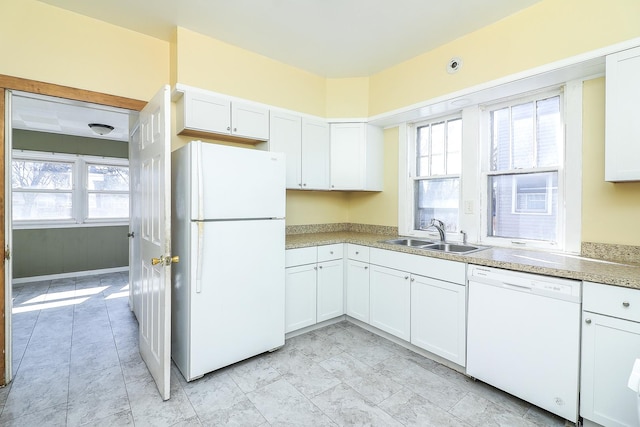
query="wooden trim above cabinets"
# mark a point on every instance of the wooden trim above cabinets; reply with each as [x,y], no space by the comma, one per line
[50,89]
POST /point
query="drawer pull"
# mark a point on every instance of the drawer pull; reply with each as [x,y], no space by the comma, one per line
[626,304]
[587,321]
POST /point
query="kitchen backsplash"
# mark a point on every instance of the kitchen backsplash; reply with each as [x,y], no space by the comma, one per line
[606,251]
[343,226]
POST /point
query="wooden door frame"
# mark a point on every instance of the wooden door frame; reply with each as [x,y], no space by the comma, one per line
[50,89]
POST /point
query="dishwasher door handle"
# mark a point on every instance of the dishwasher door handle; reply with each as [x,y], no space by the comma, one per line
[517,287]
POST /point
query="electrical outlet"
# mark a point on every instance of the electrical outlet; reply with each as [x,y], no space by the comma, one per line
[468,206]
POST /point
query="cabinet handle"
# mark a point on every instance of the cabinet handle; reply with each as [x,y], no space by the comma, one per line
[587,321]
[626,304]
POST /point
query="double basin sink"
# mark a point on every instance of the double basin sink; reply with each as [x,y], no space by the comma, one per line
[434,246]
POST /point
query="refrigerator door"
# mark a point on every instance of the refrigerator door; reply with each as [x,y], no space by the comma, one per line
[237,309]
[236,183]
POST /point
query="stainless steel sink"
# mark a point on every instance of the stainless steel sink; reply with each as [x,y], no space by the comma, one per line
[454,248]
[433,246]
[415,243]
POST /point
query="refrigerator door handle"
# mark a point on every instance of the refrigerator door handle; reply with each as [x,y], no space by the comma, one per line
[199,172]
[199,257]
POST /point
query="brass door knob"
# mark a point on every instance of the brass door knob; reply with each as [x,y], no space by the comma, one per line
[155,261]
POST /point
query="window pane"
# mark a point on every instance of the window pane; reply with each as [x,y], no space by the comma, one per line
[41,206]
[500,140]
[437,149]
[454,145]
[41,175]
[524,206]
[549,131]
[108,178]
[437,198]
[104,205]
[522,122]
[422,163]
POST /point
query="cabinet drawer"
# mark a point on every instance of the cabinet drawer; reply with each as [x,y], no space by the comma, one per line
[301,256]
[615,301]
[329,252]
[358,253]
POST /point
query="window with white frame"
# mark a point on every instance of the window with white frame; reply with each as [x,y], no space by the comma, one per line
[54,189]
[436,172]
[525,149]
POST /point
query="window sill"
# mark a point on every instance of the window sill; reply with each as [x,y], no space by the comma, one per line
[46,225]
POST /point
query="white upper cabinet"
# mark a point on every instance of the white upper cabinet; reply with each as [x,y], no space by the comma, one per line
[315,154]
[356,157]
[306,144]
[285,137]
[622,127]
[203,114]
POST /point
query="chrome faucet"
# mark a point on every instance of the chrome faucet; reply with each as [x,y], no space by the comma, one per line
[438,225]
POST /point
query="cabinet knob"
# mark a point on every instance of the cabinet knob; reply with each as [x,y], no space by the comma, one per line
[366,268]
[331,252]
[235,129]
[333,186]
[626,304]
[228,127]
[357,253]
[413,279]
[315,268]
[320,267]
[587,321]
[406,277]
[304,185]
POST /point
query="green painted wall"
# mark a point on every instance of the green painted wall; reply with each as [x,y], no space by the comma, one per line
[39,252]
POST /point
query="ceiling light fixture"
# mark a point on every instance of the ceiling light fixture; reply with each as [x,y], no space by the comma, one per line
[100,129]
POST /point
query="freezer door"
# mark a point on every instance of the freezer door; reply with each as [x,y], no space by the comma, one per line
[231,183]
[237,292]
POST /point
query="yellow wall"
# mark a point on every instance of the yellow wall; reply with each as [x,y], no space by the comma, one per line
[546,32]
[348,97]
[317,207]
[380,208]
[213,65]
[45,43]
[610,211]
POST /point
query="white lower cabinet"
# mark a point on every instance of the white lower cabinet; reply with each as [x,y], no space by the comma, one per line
[330,290]
[358,290]
[314,285]
[390,301]
[438,316]
[610,345]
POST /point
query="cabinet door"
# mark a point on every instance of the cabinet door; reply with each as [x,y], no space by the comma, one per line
[390,301]
[358,290]
[315,154]
[300,297]
[438,317]
[622,130]
[330,288]
[249,121]
[204,112]
[347,156]
[609,348]
[285,137]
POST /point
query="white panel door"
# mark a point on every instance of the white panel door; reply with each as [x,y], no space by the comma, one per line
[438,313]
[155,239]
[135,200]
[300,301]
[330,290]
[236,183]
[358,290]
[390,301]
[610,346]
[284,137]
[316,141]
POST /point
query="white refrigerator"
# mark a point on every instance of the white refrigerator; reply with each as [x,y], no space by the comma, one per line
[228,228]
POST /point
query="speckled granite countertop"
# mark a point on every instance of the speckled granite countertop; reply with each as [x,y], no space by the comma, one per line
[547,263]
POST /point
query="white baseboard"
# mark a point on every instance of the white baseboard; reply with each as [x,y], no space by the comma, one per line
[23,280]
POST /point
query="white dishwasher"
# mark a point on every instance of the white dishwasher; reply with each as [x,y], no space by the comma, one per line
[523,336]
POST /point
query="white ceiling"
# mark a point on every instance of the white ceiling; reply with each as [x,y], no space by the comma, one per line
[330,38]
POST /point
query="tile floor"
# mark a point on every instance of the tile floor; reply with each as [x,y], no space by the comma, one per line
[76,363]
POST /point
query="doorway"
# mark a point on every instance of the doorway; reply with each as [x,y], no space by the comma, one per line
[8,83]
